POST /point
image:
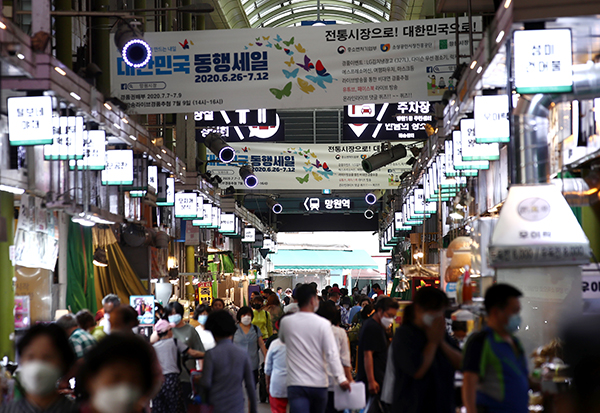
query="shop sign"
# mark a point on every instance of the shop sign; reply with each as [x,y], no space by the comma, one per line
[249,235]
[206,220]
[144,307]
[258,133]
[457,158]
[473,151]
[161,191]
[30,120]
[399,222]
[590,286]
[94,151]
[68,139]
[238,117]
[153,178]
[186,205]
[119,168]
[140,176]
[227,223]
[543,61]
[169,193]
[491,118]
[528,255]
[292,67]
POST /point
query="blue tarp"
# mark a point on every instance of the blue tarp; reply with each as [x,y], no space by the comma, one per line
[322,259]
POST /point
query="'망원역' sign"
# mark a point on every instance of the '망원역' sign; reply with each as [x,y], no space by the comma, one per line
[308,166]
[292,67]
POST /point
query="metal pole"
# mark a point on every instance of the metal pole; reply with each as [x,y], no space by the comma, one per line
[470,29]
[101,42]
[318,10]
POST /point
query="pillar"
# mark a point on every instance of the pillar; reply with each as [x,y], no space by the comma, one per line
[7,273]
[64,34]
[101,45]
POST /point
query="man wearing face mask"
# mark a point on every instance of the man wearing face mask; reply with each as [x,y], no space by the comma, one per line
[495,367]
[309,338]
[425,357]
[109,303]
[373,345]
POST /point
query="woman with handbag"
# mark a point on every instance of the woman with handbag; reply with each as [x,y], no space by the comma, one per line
[249,337]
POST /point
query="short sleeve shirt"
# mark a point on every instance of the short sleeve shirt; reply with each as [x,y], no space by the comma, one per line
[82,342]
[166,352]
[188,336]
[372,338]
[502,370]
[249,342]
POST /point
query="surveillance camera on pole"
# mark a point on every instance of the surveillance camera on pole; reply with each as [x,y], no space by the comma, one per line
[247,175]
[130,41]
[219,147]
[275,206]
[383,158]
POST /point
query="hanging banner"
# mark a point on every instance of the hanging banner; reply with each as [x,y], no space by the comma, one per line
[292,67]
[238,117]
[308,166]
[94,151]
[30,120]
[262,133]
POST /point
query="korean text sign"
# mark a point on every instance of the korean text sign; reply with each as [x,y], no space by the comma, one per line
[309,166]
[294,67]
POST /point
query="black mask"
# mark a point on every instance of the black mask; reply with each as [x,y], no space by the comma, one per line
[256,306]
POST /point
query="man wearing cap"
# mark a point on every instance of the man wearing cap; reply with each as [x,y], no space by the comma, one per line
[334,295]
[169,351]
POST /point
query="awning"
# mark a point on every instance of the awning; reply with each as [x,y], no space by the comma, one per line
[322,260]
[366,274]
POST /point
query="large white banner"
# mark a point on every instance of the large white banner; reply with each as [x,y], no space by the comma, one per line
[295,67]
[308,166]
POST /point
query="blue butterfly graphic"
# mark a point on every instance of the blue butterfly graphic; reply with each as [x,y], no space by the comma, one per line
[269,44]
[278,38]
[320,80]
[326,174]
[293,73]
[308,169]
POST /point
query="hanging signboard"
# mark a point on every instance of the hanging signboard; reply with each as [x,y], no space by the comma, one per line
[206,220]
[153,178]
[238,117]
[186,205]
[473,151]
[227,223]
[249,234]
[139,187]
[543,61]
[310,166]
[94,151]
[491,119]
[169,192]
[387,121]
[30,120]
[119,168]
[292,67]
[68,139]
[457,159]
[260,133]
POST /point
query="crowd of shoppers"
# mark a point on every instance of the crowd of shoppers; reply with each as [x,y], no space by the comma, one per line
[308,356]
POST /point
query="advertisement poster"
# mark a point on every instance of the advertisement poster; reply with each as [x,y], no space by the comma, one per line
[144,307]
[308,166]
[292,67]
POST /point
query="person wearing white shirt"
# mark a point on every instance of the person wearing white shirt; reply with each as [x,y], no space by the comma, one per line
[309,338]
[276,376]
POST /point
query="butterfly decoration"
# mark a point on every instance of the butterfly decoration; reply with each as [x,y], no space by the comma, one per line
[257,39]
[288,52]
[307,64]
[313,155]
[305,86]
[300,48]
[250,44]
[317,176]
[291,62]
[278,47]
[266,38]
[289,42]
[326,167]
[245,149]
[259,44]
[185,44]
[245,47]
[269,44]
[321,71]
[286,91]
[309,169]
[303,180]
[307,163]
[320,80]
[293,73]
[317,164]
[278,38]
[326,174]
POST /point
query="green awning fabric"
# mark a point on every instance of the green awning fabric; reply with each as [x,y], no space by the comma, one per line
[322,260]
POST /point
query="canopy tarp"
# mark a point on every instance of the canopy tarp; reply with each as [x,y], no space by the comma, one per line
[366,274]
[322,260]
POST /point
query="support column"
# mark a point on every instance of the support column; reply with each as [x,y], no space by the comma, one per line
[7,273]
[63,231]
[64,33]
[190,266]
[40,19]
[101,44]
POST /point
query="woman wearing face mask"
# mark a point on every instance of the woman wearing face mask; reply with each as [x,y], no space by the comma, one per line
[200,316]
[262,318]
[249,337]
[118,376]
[273,307]
[45,356]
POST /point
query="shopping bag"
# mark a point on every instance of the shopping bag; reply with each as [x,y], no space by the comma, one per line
[389,380]
[374,405]
[353,399]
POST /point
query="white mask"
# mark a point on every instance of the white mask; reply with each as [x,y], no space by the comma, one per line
[386,321]
[39,377]
[106,323]
[428,318]
[246,320]
[119,398]
[316,304]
